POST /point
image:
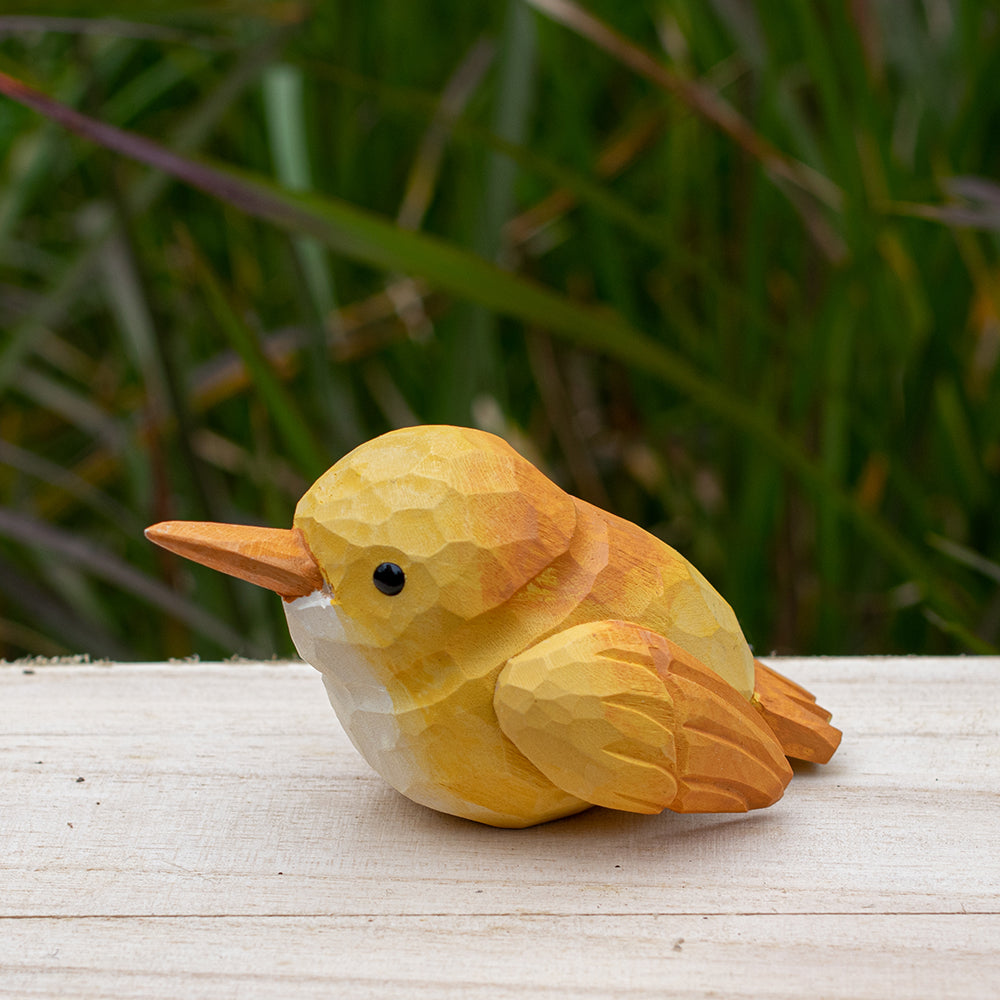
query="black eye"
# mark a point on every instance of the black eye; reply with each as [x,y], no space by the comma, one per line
[389,578]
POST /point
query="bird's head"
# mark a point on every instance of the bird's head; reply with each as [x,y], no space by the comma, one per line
[406,538]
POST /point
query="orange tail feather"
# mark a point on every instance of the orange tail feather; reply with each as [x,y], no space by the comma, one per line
[802,727]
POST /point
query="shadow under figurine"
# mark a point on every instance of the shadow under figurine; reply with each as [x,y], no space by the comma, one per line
[500,650]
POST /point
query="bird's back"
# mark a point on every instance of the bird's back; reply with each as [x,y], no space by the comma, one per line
[647,582]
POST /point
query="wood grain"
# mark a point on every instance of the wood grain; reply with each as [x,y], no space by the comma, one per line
[228,841]
[275,558]
[802,727]
[492,558]
[623,718]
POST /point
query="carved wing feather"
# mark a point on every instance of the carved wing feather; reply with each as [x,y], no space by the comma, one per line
[621,717]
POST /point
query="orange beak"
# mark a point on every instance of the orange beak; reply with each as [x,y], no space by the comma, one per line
[276,558]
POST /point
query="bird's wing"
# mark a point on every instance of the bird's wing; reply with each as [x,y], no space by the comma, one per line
[621,717]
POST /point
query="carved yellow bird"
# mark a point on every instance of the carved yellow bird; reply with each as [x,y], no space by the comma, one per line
[500,650]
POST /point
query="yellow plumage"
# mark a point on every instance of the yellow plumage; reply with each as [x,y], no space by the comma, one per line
[541,656]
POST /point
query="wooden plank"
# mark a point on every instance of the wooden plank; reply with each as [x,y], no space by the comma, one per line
[225,820]
[786,956]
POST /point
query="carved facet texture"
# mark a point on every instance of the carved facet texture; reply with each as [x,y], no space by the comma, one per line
[276,558]
[430,560]
[801,726]
[623,718]
[496,558]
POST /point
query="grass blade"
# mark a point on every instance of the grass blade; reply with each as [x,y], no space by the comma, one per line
[292,425]
[102,563]
[368,237]
[75,275]
[702,100]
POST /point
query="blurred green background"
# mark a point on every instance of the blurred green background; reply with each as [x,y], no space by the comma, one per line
[726,268]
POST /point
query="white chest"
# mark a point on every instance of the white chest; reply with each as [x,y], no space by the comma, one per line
[362,703]
[366,711]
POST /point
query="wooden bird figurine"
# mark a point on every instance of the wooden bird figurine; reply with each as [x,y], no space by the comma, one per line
[500,650]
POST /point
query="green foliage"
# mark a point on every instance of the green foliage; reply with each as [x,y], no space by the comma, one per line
[729,270]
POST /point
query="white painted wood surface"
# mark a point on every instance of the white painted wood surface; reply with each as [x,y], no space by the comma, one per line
[227,841]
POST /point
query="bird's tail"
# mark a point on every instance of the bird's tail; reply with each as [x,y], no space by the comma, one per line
[801,726]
